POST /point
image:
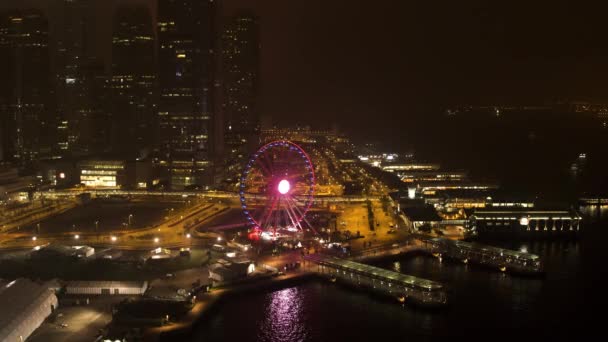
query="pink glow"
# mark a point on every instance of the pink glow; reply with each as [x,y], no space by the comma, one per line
[284,186]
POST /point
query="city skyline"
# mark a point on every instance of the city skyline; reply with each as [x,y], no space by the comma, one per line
[235,170]
[469,68]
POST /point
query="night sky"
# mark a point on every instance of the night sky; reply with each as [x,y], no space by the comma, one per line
[349,61]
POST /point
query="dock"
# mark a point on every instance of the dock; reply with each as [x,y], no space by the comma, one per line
[404,287]
[505,260]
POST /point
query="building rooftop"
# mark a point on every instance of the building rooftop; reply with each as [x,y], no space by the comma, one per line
[16,296]
[422,213]
[107,284]
[512,213]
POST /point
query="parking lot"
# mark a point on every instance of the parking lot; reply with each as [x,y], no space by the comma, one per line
[75,323]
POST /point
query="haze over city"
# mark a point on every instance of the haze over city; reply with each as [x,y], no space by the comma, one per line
[232,170]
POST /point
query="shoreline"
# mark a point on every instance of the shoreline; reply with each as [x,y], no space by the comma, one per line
[208,302]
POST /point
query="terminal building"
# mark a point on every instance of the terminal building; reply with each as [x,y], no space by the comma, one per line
[416,176]
[524,221]
[412,167]
[25,305]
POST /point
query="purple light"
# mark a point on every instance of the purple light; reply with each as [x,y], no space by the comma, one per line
[283,186]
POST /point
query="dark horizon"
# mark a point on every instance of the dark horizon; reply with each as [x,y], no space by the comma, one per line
[342,62]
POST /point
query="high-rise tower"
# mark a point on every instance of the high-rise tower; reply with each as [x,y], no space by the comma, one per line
[240,75]
[133,82]
[28,122]
[186,34]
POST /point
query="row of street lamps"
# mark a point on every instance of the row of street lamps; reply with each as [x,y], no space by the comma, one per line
[113,238]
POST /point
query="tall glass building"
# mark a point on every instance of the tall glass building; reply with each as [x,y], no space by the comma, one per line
[186,106]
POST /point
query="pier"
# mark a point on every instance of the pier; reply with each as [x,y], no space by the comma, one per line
[405,288]
[505,260]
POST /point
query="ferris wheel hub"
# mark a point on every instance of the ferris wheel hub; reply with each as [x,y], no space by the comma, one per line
[284,186]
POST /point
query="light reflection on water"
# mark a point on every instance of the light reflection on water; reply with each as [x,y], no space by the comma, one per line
[283,319]
[591,214]
[481,301]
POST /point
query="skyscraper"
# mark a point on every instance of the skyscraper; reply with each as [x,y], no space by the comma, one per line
[186,77]
[70,55]
[93,124]
[240,74]
[133,82]
[28,121]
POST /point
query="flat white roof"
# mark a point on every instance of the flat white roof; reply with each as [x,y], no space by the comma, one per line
[107,284]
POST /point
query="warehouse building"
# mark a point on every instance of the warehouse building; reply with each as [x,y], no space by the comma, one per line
[106,287]
[228,271]
[25,305]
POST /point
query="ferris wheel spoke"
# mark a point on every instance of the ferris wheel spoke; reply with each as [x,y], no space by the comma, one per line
[264,168]
[303,216]
[293,207]
[267,213]
[268,157]
[296,221]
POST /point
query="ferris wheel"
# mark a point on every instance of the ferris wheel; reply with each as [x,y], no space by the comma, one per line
[277,190]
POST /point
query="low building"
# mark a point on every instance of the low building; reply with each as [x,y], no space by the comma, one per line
[13,186]
[103,173]
[412,167]
[228,271]
[523,220]
[82,252]
[25,305]
[51,251]
[162,254]
[219,273]
[106,287]
[417,176]
[59,251]
[419,216]
[432,188]
[110,254]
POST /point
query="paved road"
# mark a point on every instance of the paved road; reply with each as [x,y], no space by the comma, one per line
[83,321]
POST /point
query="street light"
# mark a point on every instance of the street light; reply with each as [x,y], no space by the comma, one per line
[34,238]
[113,238]
[76,236]
[156,240]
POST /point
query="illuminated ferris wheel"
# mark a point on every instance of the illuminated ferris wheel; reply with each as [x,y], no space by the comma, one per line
[277,189]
